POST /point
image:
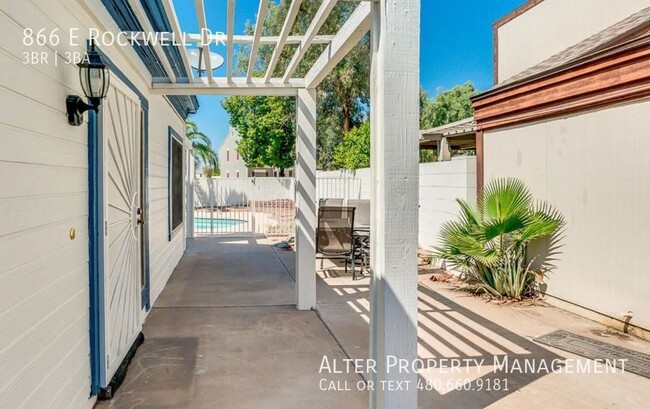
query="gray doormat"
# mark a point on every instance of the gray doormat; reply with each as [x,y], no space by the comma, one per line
[637,362]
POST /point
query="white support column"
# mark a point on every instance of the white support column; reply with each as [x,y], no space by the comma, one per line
[306,199]
[444,153]
[394,212]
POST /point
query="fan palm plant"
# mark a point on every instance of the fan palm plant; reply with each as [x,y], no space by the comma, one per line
[490,242]
[203,152]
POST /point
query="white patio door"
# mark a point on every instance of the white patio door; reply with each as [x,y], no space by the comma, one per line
[123,267]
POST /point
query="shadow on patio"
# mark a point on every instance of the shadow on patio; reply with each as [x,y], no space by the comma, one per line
[225,334]
[455,328]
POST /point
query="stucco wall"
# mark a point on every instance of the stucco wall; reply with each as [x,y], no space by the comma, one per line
[554,25]
[594,168]
[441,183]
[44,298]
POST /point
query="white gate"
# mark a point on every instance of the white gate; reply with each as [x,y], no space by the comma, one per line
[257,206]
[123,279]
[244,207]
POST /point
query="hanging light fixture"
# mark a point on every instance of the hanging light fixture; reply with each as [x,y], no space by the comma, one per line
[95,80]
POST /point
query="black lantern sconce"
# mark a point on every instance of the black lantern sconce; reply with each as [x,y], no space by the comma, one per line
[95,80]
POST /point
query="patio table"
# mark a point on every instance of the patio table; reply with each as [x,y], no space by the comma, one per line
[361,239]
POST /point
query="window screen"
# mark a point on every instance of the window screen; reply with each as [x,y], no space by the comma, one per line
[176,181]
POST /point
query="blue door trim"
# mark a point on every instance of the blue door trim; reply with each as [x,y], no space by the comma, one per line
[96,252]
[96,229]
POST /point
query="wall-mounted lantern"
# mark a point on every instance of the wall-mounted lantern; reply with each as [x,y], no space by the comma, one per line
[95,80]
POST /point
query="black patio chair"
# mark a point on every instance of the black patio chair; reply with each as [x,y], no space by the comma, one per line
[334,236]
[330,203]
[361,213]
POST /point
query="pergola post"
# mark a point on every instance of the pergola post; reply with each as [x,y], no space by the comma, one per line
[394,111]
[444,152]
[305,174]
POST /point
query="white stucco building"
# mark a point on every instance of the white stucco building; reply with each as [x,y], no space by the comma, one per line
[232,165]
[569,116]
[230,162]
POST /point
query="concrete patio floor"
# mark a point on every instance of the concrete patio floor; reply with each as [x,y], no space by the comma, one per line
[225,334]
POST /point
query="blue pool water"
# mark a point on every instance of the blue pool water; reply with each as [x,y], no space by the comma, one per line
[202,223]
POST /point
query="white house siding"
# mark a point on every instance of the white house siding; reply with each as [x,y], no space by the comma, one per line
[164,254]
[553,26]
[594,168]
[44,298]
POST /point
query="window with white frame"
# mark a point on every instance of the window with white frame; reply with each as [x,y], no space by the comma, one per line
[175,173]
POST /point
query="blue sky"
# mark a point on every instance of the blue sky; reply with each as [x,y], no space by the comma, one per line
[456,46]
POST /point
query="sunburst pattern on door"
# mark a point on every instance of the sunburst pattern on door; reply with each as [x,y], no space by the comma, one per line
[121,127]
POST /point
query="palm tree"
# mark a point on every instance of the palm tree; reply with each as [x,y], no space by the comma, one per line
[203,152]
[490,242]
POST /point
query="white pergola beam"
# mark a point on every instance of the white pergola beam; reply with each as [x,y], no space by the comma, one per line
[233,86]
[394,99]
[319,19]
[200,16]
[264,40]
[282,39]
[230,32]
[306,199]
[357,25]
[259,25]
[176,27]
[141,15]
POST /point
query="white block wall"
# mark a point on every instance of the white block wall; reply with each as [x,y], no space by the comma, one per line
[357,187]
[594,168]
[441,183]
[44,298]
[239,192]
[553,26]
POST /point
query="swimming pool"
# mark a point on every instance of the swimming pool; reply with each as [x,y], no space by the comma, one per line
[202,223]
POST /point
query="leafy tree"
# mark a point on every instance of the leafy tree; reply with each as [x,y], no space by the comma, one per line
[354,152]
[342,96]
[266,126]
[448,106]
[427,155]
[203,153]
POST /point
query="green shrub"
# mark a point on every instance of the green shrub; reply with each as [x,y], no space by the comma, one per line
[490,242]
